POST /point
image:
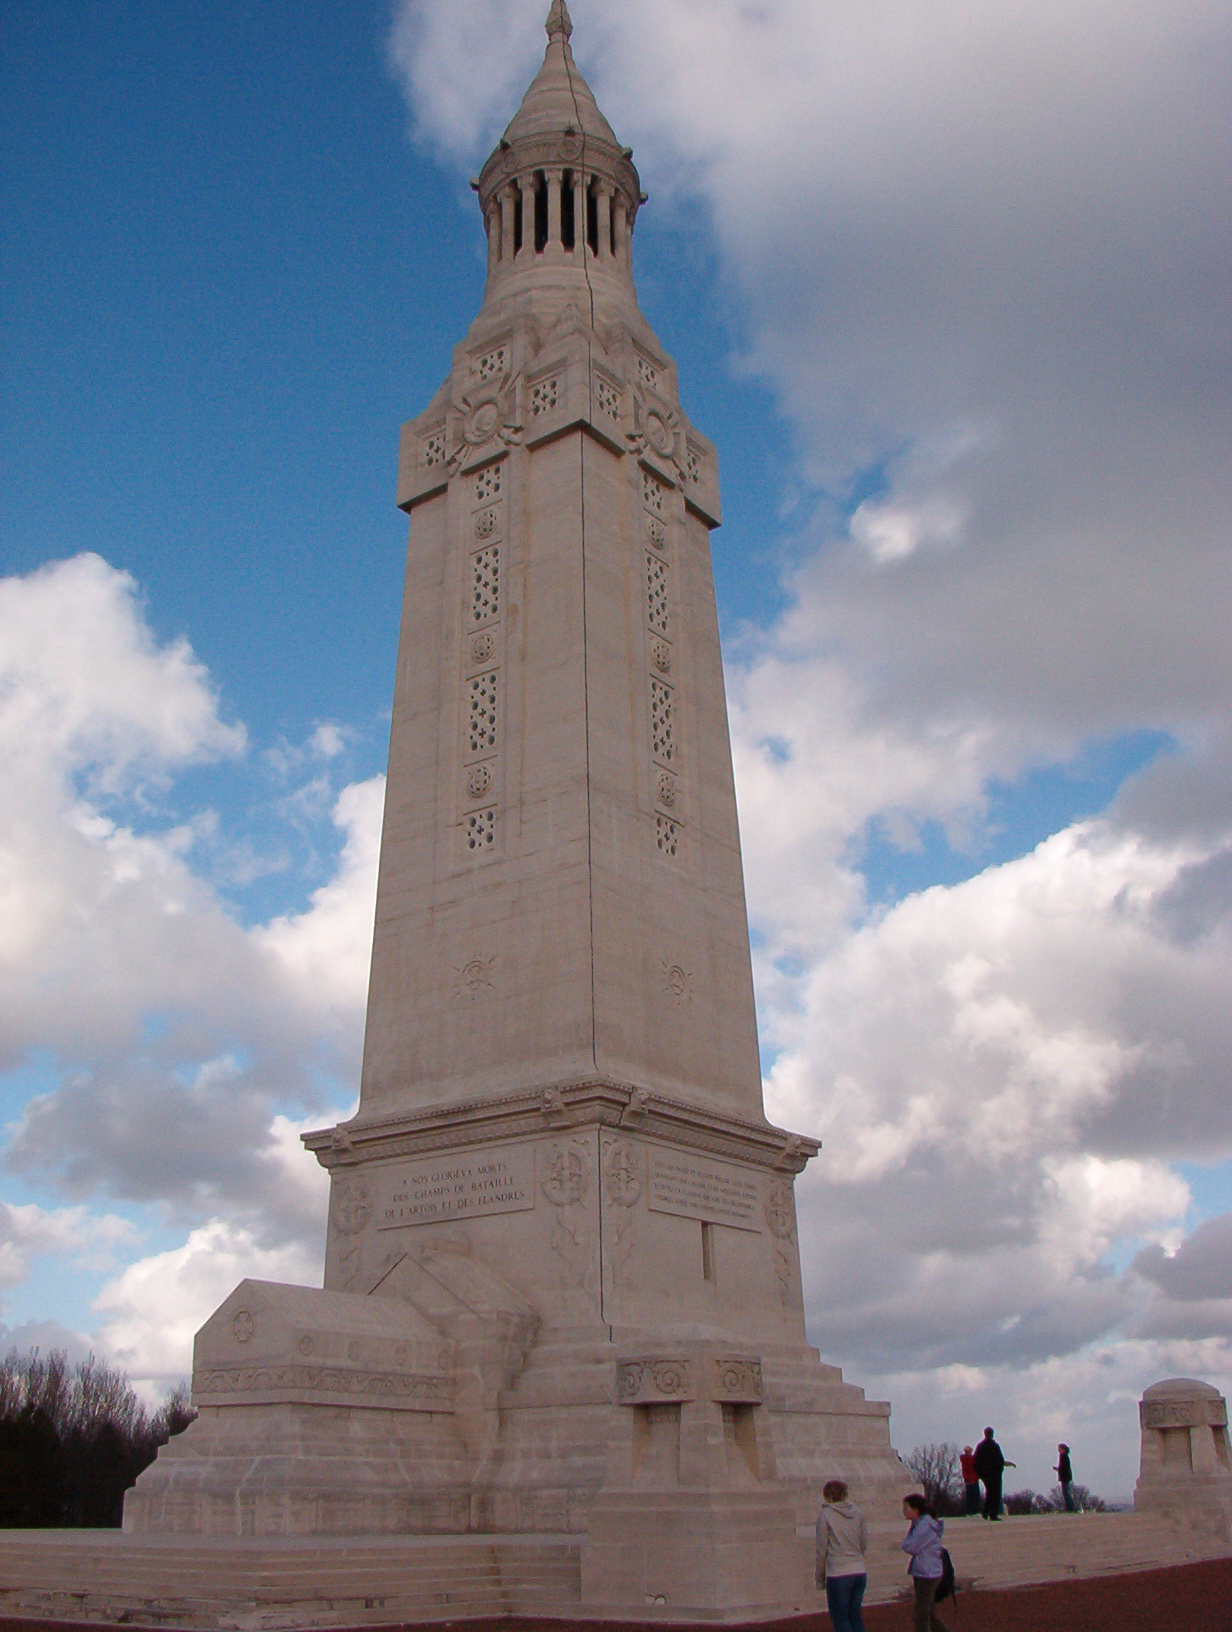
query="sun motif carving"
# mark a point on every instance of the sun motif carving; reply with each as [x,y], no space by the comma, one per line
[475,977]
[677,982]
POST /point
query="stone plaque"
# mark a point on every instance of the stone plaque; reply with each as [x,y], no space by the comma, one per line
[711,1191]
[470,1185]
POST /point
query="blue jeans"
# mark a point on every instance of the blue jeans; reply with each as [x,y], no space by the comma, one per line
[844,1595]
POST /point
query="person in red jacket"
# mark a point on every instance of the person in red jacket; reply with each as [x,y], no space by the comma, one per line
[971,1481]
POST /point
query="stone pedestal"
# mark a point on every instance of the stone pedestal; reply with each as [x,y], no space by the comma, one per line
[1186,1465]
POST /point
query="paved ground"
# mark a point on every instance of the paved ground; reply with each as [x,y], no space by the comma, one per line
[1188,1598]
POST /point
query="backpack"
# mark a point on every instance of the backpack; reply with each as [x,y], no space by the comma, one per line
[946,1589]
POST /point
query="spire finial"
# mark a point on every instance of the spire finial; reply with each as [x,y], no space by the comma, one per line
[559,24]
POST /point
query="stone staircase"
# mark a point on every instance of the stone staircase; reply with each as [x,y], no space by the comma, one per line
[252,1585]
[268,1585]
[1022,1551]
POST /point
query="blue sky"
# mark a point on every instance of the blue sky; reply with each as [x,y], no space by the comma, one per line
[964,358]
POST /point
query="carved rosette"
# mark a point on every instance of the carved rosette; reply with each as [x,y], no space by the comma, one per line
[653,1382]
[622,1173]
[736,1380]
[779,1211]
[566,1172]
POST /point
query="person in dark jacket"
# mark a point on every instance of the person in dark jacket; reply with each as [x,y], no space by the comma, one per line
[990,1464]
[1065,1477]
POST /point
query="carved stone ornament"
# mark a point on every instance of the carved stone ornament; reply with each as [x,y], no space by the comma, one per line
[481,422]
[1201,1413]
[665,787]
[352,1205]
[478,781]
[656,532]
[429,1392]
[566,1173]
[622,1175]
[779,1211]
[243,1326]
[677,982]
[658,434]
[475,977]
[482,647]
[649,1382]
[736,1380]
[485,523]
[661,656]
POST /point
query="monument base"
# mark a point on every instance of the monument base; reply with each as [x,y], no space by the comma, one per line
[696,1554]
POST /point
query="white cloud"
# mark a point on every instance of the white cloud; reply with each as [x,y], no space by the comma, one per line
[89,1241]
[153,1310]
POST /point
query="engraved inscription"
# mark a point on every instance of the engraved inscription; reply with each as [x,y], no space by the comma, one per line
[390,1388]
[464,1186]
[691,1189]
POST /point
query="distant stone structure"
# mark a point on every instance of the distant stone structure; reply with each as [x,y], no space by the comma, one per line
[1186,1465]
[562,1271]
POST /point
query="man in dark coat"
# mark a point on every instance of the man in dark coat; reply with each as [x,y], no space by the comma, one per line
[990,1465]
[1065,1476]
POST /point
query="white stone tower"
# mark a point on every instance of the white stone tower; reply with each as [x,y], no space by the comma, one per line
[562,1274]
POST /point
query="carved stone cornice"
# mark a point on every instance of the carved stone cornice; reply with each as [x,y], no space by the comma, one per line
[598,1103]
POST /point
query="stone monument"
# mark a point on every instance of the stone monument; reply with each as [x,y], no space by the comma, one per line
[562,1280]
[1186,1465]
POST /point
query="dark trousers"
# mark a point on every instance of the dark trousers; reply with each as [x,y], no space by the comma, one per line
[992,1498]
[844,1595]
[971,1497]
[926,1617]
[1067,1491]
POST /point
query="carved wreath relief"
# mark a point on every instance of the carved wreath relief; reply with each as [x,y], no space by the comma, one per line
[622,1186]
[565,1174]
[780,1215]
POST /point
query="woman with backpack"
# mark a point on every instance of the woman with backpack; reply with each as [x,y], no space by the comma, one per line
[842,1537]
[928,1560]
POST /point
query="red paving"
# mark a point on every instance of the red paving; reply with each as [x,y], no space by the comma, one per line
[1188,1598]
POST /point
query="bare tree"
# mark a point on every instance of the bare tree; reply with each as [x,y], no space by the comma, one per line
[937,1469]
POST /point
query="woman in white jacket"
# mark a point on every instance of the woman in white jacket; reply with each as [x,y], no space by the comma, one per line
[842,1537]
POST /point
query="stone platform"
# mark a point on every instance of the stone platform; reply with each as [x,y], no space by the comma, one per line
[254,1585]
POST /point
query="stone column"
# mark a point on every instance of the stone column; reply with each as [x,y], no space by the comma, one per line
[494,235]
[579,213]
[526,185]
[506,208]
[623,246]
[603,201]
[552,179]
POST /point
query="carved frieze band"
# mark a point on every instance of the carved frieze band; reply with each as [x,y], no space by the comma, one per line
[731,1379]
[1183,1413]
[406,1391]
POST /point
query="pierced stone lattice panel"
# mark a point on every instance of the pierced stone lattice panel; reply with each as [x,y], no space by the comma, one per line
[482,727]
[488,484]
[544,396]
[667,835]
[692,465]
[485,584]
[652,493]
[479,830]
[608,398]
[647,373]
[661,734]
[656,594]
[493,363]
[434,448]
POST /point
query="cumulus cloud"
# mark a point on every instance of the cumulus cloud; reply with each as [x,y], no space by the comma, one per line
[186,1051]
[152,1311]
